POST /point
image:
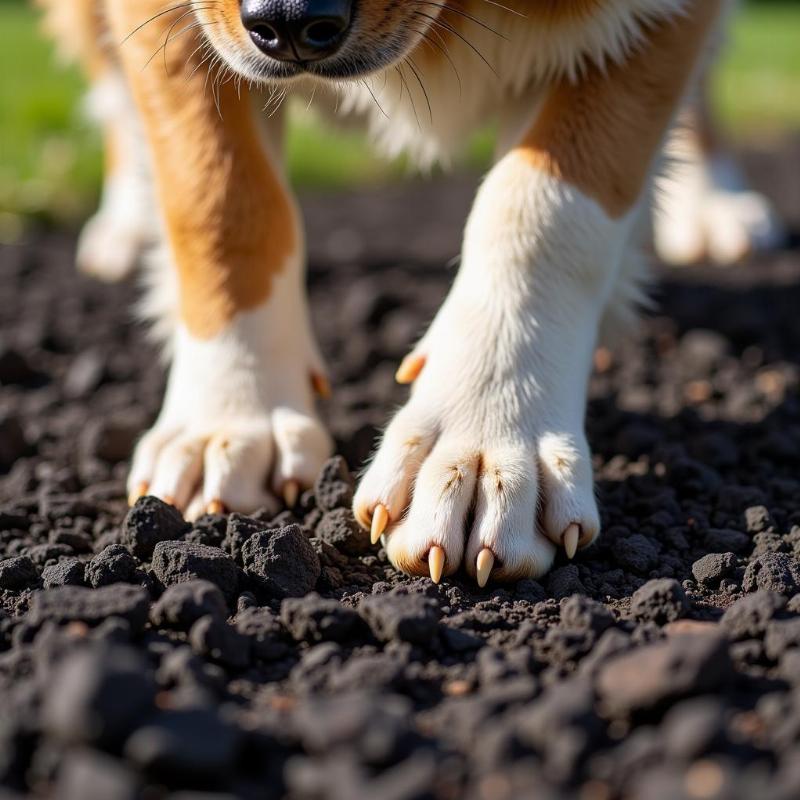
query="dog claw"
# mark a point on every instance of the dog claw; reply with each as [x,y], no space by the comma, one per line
[484,566]
[570,540]
[321,385]
[291,491]
[380,519]
[139,492]
[436,558]
[409,369]
[215,507]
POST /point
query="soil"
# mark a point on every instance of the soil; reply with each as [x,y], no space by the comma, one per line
[271,657]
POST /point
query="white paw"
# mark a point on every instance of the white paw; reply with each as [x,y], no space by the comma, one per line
[705,212]
[487,464]
[238,428]
[109,248]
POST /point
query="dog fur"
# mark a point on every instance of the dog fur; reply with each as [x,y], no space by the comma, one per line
[487,465]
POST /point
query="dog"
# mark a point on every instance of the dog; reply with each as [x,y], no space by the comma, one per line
[704,210]
[487,465]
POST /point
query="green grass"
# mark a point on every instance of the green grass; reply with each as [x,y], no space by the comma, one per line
[757,87]
[50,157]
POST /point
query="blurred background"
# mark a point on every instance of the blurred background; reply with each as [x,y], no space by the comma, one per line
[50,154]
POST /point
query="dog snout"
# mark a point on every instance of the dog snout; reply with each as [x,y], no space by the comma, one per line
[297,30]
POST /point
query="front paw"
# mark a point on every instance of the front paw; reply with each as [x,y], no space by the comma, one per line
[236,432]
[477,469]
[238,464]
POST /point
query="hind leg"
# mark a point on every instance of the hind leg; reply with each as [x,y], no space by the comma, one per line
[705,208]
[126,223]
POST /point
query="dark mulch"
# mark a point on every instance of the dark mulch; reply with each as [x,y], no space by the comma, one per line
[142,658]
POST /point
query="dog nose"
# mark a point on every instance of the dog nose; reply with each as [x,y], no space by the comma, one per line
[297,30]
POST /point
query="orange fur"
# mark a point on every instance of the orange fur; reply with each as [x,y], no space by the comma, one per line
[601,134]
[231,223]
[78,29]
[558,11]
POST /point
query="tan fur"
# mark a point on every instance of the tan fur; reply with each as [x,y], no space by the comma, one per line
[230,221]
[77,28]
[601,134]
[560,10]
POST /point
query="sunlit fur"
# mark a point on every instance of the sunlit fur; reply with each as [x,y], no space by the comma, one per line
[428,71]
[489,452]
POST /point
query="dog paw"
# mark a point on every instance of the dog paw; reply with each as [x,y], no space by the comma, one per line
[235,432]
[706,213]
[110,248]
[481,467]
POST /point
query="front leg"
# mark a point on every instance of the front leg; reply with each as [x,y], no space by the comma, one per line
[238,421]
[488,461]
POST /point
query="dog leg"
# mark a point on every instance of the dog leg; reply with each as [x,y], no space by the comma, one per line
[126,224]
[238,423]
[705,210]
[488,461]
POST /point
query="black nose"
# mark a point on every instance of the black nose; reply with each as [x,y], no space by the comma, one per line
[297,30]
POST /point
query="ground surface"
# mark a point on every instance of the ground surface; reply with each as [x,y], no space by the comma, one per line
[143,658]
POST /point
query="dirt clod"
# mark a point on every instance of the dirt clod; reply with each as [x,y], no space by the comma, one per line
[179,562]
[282,561]
[661,600]
[277,655]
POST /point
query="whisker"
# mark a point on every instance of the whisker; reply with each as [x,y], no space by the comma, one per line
[208,54]
[374,99]
[313,95]
[169,10]
[506,8]
[460,13]
[169,37]
[450,29]
[410,93]
[442,48]
[413,67]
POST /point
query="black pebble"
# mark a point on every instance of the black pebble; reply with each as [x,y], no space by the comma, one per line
[282,561]
[313,619]
[149,522]
[214,638]
[334,487]
[772,572]
[185,745]
[98,695]
[660,600]
[77,604]
[179,562]
[69,572]
[339,529]
[112,565]
[399,616]
[17,573]
[183,604]
[711,569]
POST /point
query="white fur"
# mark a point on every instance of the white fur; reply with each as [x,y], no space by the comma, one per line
[495,420]
[126,224]
[705,209]
[516,56]
[504,383]
[238,419]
